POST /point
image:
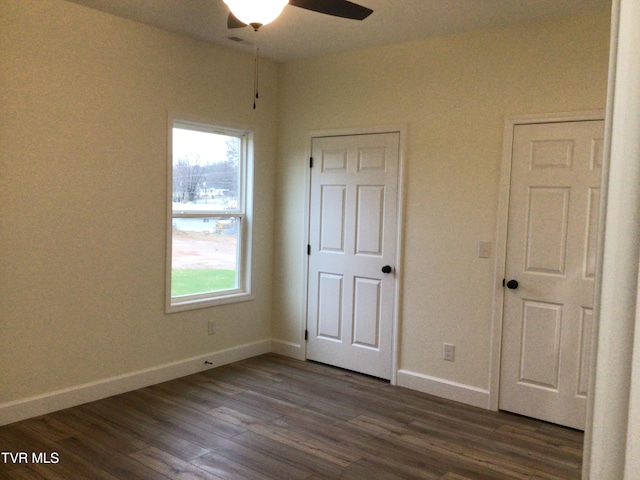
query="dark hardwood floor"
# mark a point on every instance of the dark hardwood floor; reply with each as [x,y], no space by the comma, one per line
[271,417]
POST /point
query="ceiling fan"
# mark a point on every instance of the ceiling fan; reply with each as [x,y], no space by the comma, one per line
[260,12]
[257,13]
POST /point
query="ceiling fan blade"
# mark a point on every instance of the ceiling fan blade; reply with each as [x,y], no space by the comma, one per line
[233,22]
[336,8]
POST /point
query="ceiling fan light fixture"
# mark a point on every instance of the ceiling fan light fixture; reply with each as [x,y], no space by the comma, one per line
[256,12]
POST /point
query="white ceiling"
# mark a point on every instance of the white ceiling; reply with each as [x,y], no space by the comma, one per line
[299,34]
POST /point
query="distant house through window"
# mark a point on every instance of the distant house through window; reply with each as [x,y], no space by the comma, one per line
[209,216]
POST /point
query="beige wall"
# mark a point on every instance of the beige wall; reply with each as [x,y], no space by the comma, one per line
[83,153]
[453,94]
[85,98]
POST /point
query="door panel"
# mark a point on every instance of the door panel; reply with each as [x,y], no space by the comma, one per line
[540,351]
[547,230]
[370,219]
[591,234]
[366,312]
[329,302]
[332,218]
[551,250]
[352,235]
[586,327]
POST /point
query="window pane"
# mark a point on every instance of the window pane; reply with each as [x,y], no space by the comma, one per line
[204,255]
[206,171]
[209,213]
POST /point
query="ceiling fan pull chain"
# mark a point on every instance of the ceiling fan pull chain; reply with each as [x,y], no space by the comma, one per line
[256,57]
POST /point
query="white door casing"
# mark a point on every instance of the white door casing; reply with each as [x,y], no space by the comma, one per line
[551,252]
[353,226]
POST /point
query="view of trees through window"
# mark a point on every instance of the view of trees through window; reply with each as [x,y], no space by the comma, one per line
[207,212]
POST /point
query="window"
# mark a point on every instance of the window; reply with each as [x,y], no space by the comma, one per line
[209,216]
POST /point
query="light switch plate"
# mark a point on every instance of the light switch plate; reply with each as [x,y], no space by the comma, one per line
[484,249]
[448,352]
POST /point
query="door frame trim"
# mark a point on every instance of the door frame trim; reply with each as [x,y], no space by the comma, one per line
[501,231]
[397,299]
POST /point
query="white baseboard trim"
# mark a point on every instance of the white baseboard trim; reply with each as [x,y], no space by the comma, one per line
[50,402]
[288,349]
[440,387]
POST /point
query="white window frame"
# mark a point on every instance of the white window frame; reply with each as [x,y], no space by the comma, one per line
[243,212]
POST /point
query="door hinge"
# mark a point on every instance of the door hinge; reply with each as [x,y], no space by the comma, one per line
[310,162]
[306,335]
[504,282]
[308,249]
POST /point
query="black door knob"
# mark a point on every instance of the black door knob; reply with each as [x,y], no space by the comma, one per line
[387,269]
[512,284]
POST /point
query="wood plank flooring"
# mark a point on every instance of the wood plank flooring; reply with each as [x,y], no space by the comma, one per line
[274,418]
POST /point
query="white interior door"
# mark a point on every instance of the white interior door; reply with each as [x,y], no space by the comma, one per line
[352,238]
[551,251]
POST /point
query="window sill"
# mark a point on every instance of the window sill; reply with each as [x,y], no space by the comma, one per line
[194,304]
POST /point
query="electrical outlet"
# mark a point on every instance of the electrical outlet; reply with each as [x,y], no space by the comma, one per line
[212,327]
[448,352]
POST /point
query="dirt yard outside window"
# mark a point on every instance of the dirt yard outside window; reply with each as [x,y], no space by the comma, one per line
[199,250]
